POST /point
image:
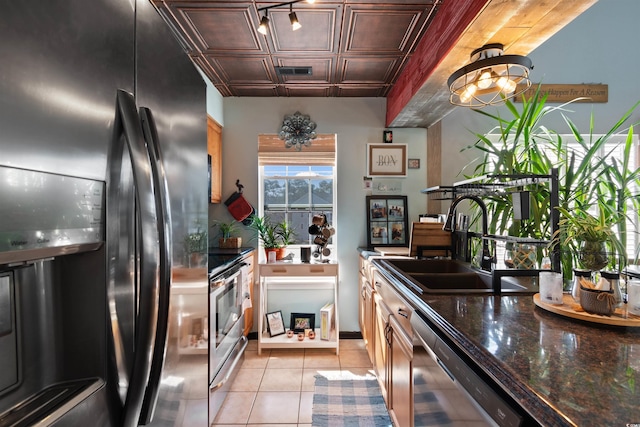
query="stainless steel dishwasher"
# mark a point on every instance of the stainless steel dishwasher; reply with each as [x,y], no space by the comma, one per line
[493,409]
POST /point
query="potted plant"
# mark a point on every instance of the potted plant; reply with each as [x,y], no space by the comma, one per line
[286,232]
[226,231]
[269,233]
[590,238]
[195,246]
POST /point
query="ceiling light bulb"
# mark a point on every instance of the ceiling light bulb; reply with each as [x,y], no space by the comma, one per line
[294,21]
[485,80]
[468,92]
[506,85]
[264,25]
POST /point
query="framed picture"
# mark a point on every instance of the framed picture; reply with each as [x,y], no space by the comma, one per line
[414,164]
[302,321]
[387,159]
[275,324]
[387,221]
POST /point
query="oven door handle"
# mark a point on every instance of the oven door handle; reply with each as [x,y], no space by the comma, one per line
[232,368]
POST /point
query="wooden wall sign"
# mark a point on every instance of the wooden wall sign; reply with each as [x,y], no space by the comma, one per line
[560,93]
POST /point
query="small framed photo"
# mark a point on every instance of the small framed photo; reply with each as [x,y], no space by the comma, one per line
[275,324]
[387,136]
[387,160]
[413,164]
[302,321]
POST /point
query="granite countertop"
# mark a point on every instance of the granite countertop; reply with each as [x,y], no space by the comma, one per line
[562,371]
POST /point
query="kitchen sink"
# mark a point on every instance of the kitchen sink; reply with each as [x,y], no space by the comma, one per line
[440,276]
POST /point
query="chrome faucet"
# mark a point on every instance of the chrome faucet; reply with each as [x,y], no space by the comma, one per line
[485,264]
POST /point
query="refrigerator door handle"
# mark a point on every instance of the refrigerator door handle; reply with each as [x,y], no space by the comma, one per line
[166,250]
[128,123]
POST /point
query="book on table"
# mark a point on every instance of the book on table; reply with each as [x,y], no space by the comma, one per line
[326,321]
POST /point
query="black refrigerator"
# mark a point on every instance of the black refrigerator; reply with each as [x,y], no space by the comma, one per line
[104,174]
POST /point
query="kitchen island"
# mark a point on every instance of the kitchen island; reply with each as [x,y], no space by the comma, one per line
[559,371]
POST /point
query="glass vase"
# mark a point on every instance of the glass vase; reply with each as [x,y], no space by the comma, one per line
[593,255]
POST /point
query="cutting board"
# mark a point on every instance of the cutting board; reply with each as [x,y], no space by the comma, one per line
[426,234]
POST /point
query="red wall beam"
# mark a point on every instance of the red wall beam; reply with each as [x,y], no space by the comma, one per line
[449,23]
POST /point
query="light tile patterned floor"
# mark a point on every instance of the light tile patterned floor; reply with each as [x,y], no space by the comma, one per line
[275,389]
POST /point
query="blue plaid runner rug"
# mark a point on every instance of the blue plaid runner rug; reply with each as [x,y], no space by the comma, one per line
[349,402]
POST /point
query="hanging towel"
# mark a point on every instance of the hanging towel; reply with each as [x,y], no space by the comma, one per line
[238,206]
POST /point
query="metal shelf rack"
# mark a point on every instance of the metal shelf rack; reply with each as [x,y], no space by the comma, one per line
[498,185]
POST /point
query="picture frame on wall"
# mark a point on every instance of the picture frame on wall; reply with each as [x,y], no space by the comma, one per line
[387,221]
[387,160]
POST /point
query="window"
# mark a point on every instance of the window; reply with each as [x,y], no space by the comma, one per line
[295,185]
[295,193]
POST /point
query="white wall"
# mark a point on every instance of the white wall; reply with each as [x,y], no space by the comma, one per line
[356,121]
[599,46]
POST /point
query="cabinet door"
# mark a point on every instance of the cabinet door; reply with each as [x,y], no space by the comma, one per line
[381,345]
[250,283]
[401,376]
[214,151]
[369,318]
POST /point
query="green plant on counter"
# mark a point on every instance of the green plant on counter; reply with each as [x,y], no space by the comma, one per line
[286,232]
[267,231]
[226,230]
[272,235]
[591,238]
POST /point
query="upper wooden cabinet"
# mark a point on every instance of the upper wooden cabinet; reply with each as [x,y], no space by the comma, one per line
[214,149]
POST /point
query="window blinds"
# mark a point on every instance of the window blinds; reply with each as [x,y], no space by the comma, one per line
[271,151]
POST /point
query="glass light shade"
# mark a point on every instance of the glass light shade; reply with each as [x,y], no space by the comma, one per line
[468,92]
[295,25]
[485,80]
[264,25]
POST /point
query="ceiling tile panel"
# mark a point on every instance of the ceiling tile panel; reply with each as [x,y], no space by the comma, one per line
[366,70]
[216,25]
[373,31]
[245,70]
[317,35]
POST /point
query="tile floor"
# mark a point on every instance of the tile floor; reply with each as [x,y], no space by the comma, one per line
[276,387]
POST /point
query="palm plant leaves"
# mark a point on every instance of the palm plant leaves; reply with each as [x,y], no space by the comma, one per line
[587,181]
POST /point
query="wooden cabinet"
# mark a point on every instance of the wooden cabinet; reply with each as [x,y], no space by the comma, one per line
[381,345]
[249,280]
[366,306]
[214,151]
[393,350]
[401,376]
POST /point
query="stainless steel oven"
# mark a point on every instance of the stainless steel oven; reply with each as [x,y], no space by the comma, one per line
[226,325]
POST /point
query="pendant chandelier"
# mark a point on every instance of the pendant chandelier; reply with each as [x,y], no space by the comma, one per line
[490,78]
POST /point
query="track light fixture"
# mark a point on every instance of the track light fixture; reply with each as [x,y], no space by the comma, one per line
[293,18]
[264,24]
[490,78]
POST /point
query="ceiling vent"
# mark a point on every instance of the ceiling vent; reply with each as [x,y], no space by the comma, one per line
[293,71]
